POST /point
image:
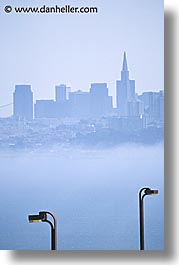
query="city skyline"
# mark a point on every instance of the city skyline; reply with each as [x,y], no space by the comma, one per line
[96,103]
[83,49]
[115,101]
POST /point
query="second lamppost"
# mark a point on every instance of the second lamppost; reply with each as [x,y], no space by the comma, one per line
[142,193]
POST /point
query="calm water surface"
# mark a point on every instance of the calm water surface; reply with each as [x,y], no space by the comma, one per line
[93,193]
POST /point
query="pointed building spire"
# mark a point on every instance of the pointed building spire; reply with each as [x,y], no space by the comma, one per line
[124,67]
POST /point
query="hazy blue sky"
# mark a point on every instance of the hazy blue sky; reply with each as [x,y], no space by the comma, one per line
[77,49]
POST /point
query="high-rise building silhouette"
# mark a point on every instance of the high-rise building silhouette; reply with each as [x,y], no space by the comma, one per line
[79,103]
[62,93]
[126,100]
[100,102]
[161,106]
[62,106]
[45,109]
[23,102]
[153,105]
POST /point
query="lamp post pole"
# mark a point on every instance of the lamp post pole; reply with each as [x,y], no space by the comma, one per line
[141,218]
[53,229]
[142,193]
[42,217]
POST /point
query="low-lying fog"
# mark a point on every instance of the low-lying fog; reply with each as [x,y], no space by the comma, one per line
[94,195]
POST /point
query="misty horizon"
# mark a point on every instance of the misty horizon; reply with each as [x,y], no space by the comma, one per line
[87,48]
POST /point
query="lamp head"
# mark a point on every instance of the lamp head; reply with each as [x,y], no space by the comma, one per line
[149,191]
[37,218]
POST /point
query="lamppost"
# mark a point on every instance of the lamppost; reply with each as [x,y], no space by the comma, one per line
[42,217]
[142,193]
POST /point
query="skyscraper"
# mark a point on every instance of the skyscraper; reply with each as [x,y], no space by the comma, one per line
[125,91]
[100,102]
[153,104]
[62,93]
[45,109]
[79,104]
[23,102]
